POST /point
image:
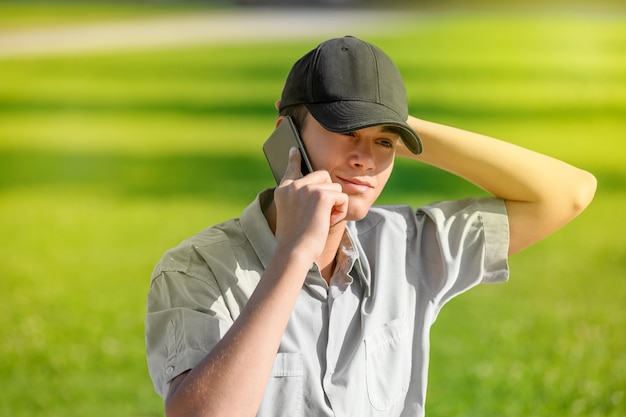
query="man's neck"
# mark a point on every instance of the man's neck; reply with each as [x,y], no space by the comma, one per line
[327,260]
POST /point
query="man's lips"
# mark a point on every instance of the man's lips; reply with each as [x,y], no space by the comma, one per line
[355,184]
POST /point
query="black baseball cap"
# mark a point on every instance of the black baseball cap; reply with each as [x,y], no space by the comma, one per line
[349,84]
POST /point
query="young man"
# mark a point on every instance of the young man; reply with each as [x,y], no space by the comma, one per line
[314,302]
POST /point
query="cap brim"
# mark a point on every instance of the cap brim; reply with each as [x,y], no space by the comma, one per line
[348,116]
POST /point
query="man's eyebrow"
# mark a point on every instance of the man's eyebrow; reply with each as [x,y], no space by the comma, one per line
[391,129]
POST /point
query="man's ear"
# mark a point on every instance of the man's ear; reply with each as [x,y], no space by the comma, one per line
[277,105]
[279,120]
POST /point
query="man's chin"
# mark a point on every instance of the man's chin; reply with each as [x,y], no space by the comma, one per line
[357,211]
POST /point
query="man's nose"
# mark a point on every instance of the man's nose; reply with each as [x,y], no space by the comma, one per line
[363,156]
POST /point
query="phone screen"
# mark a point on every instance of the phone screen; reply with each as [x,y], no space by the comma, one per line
[276,149]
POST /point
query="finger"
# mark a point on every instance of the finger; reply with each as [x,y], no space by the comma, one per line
[293,171]
[340,209]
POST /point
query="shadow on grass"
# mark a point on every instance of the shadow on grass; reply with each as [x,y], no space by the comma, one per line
[236,178]
[227,177]
[265,108]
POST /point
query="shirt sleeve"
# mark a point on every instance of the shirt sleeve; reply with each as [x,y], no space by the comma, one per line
[185,318]
[462,243]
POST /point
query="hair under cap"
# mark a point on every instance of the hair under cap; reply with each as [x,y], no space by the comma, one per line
[349,84]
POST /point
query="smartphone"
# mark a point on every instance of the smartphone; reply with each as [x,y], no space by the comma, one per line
[276,149]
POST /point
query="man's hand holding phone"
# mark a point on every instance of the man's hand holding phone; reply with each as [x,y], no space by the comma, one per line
[307,207]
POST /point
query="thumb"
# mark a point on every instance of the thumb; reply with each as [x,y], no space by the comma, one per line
[294,170]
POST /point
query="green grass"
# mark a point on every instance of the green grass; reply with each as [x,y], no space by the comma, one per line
[106,160]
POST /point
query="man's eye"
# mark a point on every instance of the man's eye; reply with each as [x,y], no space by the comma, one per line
[386,143]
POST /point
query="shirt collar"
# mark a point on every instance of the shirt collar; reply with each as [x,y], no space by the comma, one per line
[257,230]
[360,265]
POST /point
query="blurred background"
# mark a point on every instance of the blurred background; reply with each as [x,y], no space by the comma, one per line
[126,127]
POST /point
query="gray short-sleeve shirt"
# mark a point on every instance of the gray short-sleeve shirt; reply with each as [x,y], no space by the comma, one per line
[358,347]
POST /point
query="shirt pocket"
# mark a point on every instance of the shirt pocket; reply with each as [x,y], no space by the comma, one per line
[388,364]
[284,392]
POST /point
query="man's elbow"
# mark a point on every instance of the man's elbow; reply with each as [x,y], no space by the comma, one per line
[583,195]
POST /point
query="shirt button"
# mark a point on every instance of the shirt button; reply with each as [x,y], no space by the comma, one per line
[169,370]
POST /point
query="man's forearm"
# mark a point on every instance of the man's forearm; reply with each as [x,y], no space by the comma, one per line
[231,379]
